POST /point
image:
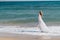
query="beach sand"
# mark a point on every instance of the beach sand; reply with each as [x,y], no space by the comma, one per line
[26,37]
[9,36]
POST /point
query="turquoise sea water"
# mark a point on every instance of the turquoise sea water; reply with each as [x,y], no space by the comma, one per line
[27,11]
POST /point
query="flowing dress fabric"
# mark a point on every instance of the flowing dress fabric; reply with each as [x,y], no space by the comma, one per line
[42,25]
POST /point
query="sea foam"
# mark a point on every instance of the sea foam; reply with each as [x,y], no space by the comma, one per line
[31,30]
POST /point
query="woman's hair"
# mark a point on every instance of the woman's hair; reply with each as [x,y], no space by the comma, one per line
[41,13]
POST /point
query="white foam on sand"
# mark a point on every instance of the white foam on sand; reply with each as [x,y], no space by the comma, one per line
[31,30]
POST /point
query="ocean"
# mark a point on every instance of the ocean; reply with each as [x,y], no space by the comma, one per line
[26,12]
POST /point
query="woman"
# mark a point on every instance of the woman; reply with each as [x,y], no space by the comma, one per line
[42,25]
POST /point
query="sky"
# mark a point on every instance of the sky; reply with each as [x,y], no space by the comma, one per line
[29,0]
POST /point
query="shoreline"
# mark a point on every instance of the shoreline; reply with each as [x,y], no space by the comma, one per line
[27,37]
[31,24]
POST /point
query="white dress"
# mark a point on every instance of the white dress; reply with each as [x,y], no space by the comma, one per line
[42,25]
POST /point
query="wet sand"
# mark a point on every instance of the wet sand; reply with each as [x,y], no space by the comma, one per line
[9,36]
[26,37]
